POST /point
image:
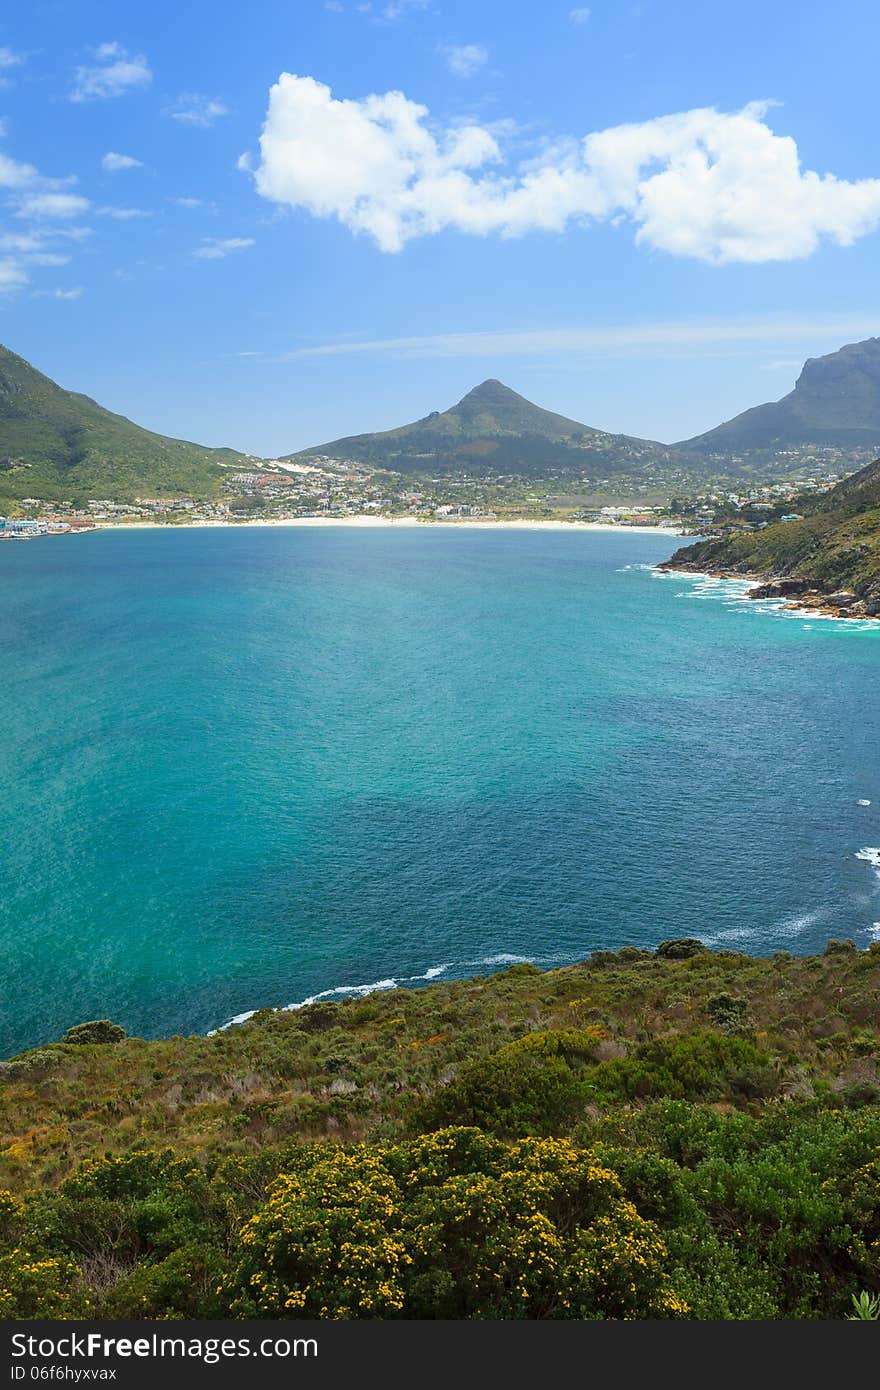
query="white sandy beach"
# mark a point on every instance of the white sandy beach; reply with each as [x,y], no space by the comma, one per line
[396,521]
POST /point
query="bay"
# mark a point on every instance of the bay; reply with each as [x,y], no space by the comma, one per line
[243,767]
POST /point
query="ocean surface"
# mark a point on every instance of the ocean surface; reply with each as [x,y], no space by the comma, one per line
[247,767]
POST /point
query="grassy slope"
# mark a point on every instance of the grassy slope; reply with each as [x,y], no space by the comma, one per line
[356,1069]
[65,445]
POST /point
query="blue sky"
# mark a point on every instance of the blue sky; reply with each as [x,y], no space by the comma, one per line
[238,257]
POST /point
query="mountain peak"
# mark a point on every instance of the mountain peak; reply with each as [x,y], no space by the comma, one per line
[493,409]
[492,384]
[490,390]
[493,429]
[836,401]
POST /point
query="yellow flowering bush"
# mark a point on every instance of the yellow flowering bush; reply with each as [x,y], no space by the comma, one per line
[327,1243]
[455,1224]
[38,1286]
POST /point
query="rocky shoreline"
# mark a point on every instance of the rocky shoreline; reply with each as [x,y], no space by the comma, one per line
[800,595]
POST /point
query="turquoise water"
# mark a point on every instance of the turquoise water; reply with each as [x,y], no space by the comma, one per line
[240,768]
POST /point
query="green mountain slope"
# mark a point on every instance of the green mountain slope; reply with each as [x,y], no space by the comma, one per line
[59,445]
[834,547]
[836,401]
[494,429]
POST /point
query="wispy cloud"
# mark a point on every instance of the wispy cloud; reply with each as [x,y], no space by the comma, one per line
[188,202]
[465,59]
[579,15]
[623,339]
[13,274]
[123,214]
[192,108]
[217,248]
[22,251]
[377,13]
[397,9]
[52,206]
[114,163]
[113,73]
[713,186]
[72,294]
[14,174]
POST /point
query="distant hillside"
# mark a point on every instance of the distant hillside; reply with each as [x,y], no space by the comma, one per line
[494,429]
[834,548]
[836,401]
[59,445]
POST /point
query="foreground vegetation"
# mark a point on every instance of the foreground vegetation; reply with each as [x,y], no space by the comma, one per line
[672,1134]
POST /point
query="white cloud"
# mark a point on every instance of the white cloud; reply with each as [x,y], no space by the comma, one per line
[123,214]
[191,108]
[115,163]
[579,16]
[9,59]
[396,9]
[43,202]
[22,242]
[48,258]
[605,340]
[52,205]
[13,274]
[19,251]
[465,59]
[713,186]
[16,175]
[187,202]
[115,72]
[75,293]
[216,248]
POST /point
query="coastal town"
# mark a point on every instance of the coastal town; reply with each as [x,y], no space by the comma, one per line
[340,490]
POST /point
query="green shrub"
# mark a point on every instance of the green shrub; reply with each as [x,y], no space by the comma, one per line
[317,1018]
[31,1065]
[532,1086]
[730,1013]
[682,949]
[688,1066]
[99,1030]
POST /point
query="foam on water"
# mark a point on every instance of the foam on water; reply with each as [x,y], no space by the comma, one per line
[503,958]
[793,926]
[393,982]
[733,594]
